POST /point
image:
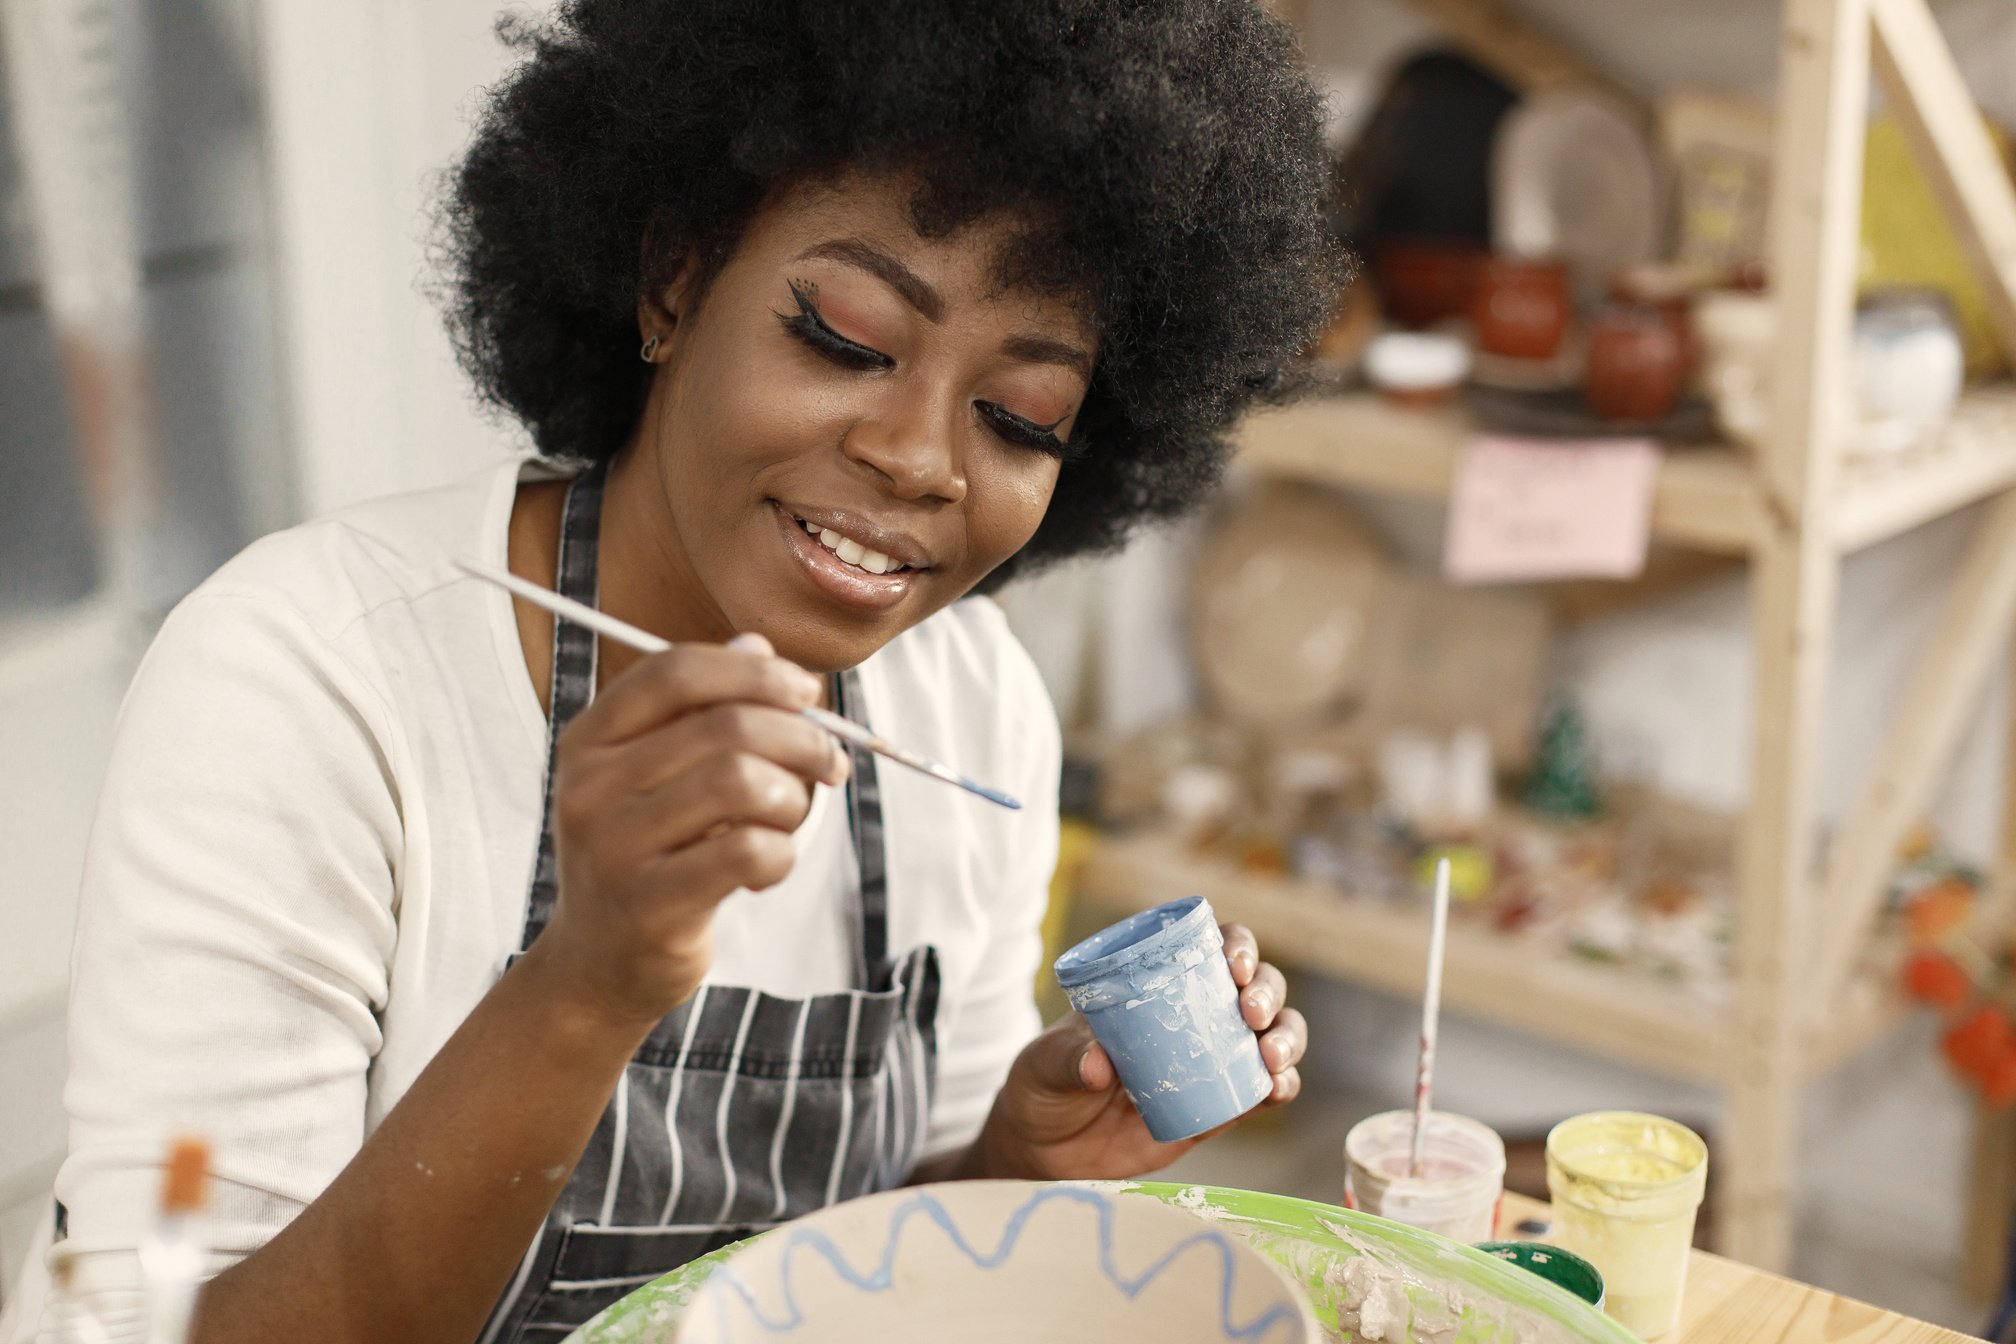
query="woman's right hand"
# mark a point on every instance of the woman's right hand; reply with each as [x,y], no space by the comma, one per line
[681,783]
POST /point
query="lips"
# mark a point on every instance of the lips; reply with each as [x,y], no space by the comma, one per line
[847,581]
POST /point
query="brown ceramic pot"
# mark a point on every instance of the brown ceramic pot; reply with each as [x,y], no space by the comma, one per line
[1637,362]
[1423,280]
[1521,308]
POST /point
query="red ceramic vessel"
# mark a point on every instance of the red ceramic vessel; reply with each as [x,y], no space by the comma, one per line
[1424,280]
[1521,308]
[1637,363]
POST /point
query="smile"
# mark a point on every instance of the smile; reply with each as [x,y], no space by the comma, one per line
[845,567]
[850,551]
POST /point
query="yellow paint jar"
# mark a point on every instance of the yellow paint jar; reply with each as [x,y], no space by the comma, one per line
[1626,1187]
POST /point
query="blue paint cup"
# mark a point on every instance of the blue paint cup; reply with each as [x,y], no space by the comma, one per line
[1158,995]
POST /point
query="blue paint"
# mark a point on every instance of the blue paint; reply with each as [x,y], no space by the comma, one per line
[1280,1317]
[1158,995]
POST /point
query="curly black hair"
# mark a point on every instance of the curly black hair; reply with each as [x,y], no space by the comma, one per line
[1172,148]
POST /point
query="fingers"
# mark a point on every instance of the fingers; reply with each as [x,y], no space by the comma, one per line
[784,737]
[1282,1048]
[687,677]
[1263,997]
[715,793]
[1242,953]
[1287,1087]
[746,856]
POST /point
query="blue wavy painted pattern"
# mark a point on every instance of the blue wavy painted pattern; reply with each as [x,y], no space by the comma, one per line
[881,1278]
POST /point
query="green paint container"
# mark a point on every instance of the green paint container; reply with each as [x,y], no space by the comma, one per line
[1562,1268]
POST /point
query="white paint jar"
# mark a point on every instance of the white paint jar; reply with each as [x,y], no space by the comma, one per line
[1462,1180]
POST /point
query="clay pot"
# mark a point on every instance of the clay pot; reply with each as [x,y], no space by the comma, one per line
[1521,308]
[1637,362]
[1424,280]
[1670,289]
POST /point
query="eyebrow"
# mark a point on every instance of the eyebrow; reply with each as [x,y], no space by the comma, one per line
[915,291]
[907,283]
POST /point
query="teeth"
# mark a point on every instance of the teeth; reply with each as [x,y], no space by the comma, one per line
[852,551]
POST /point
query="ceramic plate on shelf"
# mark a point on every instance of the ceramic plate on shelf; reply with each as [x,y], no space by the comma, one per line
[1281,605]
[1574,178]
[998,1262]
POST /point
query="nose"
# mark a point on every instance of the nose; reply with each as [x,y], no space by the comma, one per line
[912,444]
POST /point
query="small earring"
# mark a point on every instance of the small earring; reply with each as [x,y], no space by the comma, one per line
[650,351]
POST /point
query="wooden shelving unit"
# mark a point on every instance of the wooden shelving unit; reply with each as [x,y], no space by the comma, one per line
[1709,497]
[1791,511]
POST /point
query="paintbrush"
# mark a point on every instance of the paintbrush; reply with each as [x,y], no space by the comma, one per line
[172,1256]
[1431,1014]
[644,642]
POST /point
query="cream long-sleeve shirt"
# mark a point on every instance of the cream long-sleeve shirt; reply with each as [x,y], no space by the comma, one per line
[313,846]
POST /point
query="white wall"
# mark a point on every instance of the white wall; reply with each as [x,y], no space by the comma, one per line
[368,100]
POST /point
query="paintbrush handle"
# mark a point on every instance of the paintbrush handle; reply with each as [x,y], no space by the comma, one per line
[602,623]
[1431,1016]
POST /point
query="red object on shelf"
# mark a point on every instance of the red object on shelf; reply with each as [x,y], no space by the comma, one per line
[1982,1040]
[1424,280]
[1998,1082]
[1521,308]
[1637,363]
[1935,978]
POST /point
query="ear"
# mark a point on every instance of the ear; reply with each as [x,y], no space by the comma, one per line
[665,295]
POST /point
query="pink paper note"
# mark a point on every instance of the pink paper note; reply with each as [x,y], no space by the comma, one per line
[1550,509]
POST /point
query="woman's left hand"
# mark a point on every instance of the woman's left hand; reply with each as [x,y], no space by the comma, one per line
[1062,1115]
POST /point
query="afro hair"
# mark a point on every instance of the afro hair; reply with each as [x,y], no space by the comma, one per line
[1172,149]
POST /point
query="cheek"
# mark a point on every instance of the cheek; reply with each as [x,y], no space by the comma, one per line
[1011,497]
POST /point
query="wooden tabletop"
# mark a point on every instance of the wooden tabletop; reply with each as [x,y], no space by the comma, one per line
[1726,1302]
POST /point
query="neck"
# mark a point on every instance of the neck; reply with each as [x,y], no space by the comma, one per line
[646,576]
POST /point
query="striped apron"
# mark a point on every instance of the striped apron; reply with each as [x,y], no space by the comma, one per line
[741,1110]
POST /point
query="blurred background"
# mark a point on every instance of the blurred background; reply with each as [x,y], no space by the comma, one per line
[212,247]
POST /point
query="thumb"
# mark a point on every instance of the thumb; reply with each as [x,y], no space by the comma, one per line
[1065,1059]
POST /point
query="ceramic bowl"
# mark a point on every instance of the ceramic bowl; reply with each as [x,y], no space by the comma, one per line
[998,1262]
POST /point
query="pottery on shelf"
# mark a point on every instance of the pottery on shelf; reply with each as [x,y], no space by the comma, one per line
[1424,280]
[1521,307]
[1909,365]
[1417,368]
[1637,363]
[998,1262]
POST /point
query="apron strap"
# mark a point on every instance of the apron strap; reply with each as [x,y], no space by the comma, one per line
[864,821]
[573,682]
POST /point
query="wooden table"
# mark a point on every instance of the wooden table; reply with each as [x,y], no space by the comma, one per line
[1728,1302]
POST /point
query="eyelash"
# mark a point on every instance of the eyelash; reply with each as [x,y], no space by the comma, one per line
[808,326]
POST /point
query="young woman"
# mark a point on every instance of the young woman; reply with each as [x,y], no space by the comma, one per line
[505,970]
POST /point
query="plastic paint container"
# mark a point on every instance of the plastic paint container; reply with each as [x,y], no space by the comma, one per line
[1462,1180]
[1626,1187]
[1158,995]
[1562,1268]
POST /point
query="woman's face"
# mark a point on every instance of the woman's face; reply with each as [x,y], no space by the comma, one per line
[855,425]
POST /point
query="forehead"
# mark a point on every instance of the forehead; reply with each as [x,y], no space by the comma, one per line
[1002,260]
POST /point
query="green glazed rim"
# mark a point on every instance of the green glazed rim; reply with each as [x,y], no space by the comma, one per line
[1312,1241]
[1553,1264]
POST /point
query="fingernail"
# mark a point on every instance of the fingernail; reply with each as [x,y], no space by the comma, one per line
[750,642]
[1259,1001]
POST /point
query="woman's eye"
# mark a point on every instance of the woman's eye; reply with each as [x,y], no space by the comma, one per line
[1027,433]
[808,326]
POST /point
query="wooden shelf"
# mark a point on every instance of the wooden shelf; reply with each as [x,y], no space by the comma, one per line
[1612,1011]
[1708,497]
